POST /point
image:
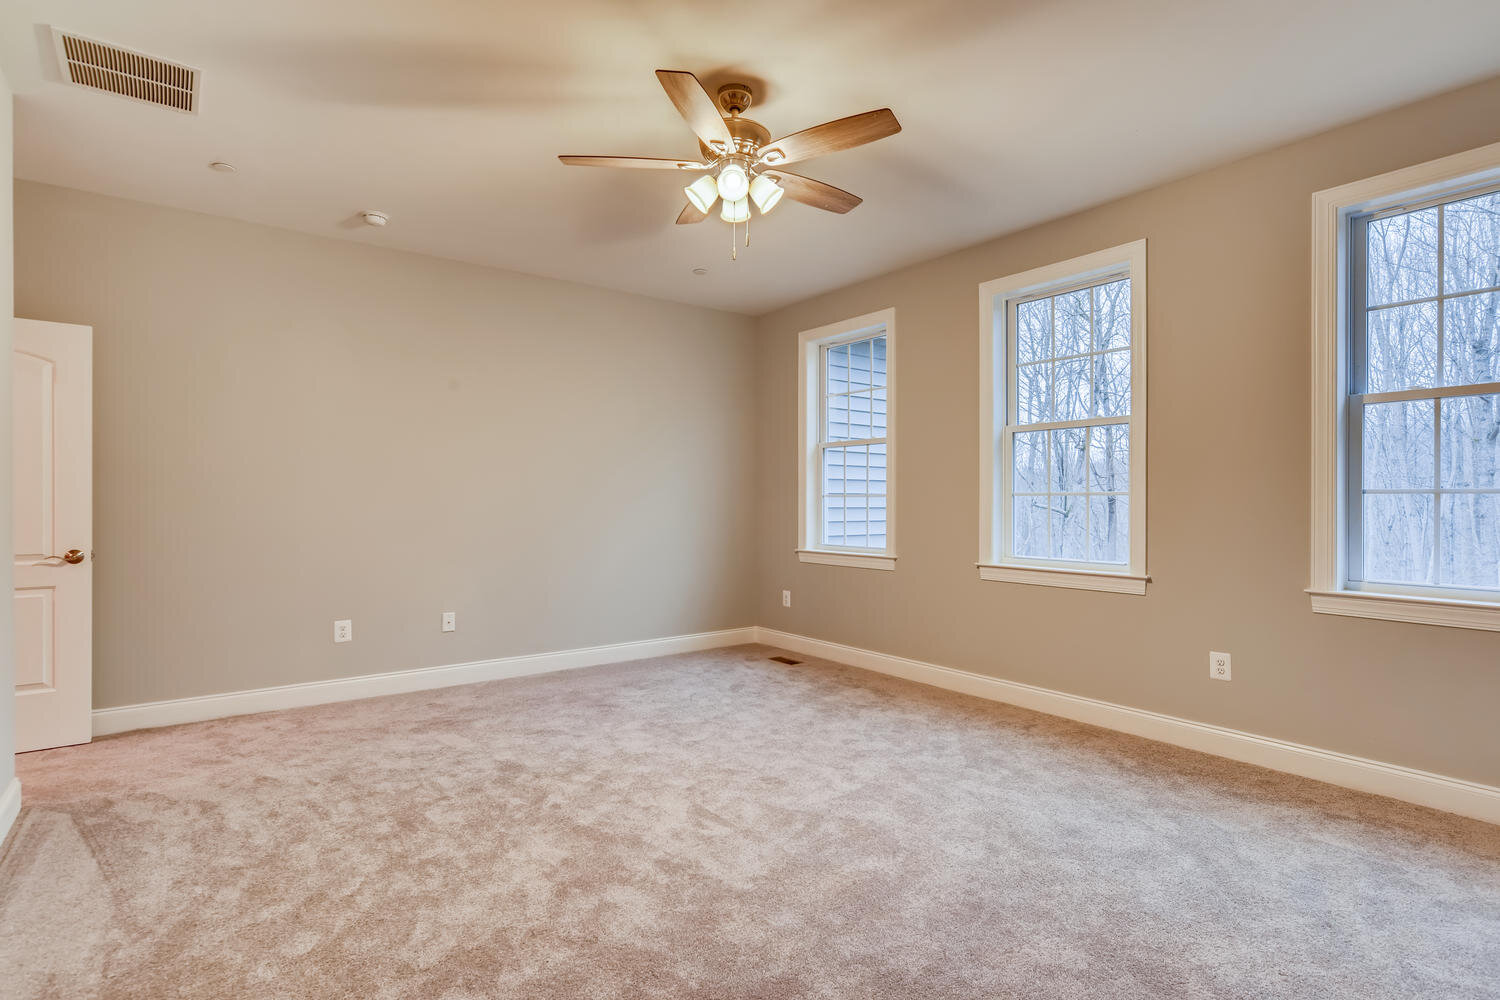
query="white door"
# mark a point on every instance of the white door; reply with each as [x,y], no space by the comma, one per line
[53,385]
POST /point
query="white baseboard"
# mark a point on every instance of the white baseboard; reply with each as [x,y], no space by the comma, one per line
[217,706]
[1455,795]
[1466,798]
[10,807]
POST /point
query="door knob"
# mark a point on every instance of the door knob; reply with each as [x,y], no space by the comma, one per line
[73,556]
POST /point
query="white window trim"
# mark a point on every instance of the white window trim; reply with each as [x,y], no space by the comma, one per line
[994,479]
[1329,588]
[809,409]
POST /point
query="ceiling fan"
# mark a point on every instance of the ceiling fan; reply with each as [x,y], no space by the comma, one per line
[740,164]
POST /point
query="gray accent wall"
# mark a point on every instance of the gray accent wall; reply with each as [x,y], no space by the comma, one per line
[291,430]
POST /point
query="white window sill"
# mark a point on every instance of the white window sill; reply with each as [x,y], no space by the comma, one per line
[858,560]
[1072,579]
[1405,608]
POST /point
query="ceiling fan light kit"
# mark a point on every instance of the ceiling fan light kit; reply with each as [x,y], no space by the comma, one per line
[740,164]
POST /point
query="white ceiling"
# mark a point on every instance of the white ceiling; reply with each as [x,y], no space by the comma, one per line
[448,115]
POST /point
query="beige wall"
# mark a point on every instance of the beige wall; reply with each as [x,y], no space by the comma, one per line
[1228,425]
[7,273]
[290,430]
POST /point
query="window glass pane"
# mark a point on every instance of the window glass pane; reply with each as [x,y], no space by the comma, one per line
[1471,339]
[1398,530]
[1112,384]
[833,520]
[1029,539]
[875,520]
[1401,347]
[1109,458]
[838,419]
[1033,393]
[1470,550]
[855,533]
[1030,462]
[1471,244]
[833,470]
[855,464]
[859,364]
[859,415]
[1068,535]
[878,361]
[1398,445]
[1401,257]
[1071,381]
[1112,315]
[1067,459]
[1071,316]
[1109,529]
[1090,330]
[877,413]
[838,369]
[1471,442]
[1033,331]
[876,470]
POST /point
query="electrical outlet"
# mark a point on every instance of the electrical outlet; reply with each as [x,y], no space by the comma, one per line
[450,621]
[343,630]
[1218,666]
[786,598]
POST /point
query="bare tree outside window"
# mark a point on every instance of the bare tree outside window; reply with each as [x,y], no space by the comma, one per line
[1426,403]
[1070,483]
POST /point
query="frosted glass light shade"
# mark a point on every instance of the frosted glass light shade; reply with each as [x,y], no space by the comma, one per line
[703,192]
[765,193]
[734,183]
[735,211]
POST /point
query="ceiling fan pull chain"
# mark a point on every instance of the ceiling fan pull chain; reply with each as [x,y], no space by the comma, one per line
[748,213]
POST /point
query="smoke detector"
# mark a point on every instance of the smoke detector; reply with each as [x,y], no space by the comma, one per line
[126,72]
[374,218]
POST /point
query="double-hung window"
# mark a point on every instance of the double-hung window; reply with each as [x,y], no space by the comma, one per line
[1062,424]
[1409,494]
[848,448]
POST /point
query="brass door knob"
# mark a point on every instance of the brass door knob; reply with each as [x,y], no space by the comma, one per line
[73,556]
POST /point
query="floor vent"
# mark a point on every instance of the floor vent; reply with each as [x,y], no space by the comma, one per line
[785,659]
[130,74]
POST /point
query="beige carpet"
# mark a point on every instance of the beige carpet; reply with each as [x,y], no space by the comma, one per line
[720,826]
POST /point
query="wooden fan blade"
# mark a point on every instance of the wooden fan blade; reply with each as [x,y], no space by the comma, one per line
[638,162]
[830,137]
[694,104]
[814,193]
[690,214]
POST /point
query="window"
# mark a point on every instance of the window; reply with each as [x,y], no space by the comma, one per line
[1407,331]
[848,448]
[1063,404]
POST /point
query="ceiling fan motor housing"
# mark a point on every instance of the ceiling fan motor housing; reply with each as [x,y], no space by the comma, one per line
[735,98]
[749,136]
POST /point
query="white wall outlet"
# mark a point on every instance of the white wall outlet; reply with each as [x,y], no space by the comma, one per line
[450,621]
[343,630]
[786,598]
[1218,666]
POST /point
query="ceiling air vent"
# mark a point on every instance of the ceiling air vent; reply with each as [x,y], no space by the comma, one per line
[130,74]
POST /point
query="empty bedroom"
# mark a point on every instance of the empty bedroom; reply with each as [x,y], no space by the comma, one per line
[861,501]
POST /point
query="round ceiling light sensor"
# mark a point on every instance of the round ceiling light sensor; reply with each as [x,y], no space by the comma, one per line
[223,168]
[374,218]
[700,271]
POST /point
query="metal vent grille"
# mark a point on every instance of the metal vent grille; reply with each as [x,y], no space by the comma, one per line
[786,659]
[136,75]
